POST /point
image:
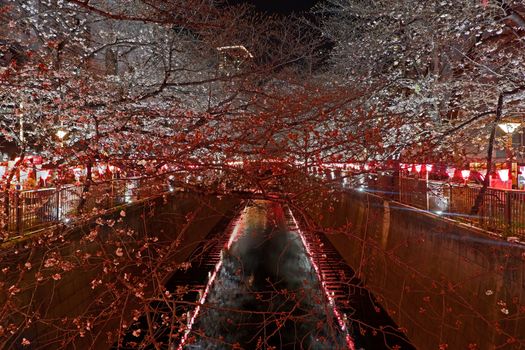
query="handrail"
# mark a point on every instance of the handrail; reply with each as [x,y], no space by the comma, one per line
[501,210]
[33,208]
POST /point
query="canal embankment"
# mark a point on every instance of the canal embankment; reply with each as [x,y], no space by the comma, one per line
[447,285]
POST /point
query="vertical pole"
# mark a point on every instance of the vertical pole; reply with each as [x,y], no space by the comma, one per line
[449,209]
[509,158]
[482,212]
[112,203]
[400,188]
[18,204]
[57,201]
[508,210]
[6,210]
[427,190]
[396,182]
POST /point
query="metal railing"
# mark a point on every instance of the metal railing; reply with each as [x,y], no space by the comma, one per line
[28,210]
[413,192]
[501,211]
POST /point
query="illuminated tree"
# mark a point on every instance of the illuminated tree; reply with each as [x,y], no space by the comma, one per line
[437,67]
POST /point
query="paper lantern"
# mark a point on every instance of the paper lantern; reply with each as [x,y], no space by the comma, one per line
[44,174]
[503,174]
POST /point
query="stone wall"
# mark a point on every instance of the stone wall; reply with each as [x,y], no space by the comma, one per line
[72,295]
[450,286]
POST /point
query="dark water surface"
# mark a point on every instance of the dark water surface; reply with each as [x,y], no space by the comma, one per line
[266,294]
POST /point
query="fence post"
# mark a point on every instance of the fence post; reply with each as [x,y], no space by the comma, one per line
[6,210]
[58,204]
[18,207]
[427,192]
[400,189]
[480,218]
[449,209]
[508,210]
[112,199]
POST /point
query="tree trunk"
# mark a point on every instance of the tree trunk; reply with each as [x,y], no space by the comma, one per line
[6,189]
[86,187]
[499,113]
[486,181]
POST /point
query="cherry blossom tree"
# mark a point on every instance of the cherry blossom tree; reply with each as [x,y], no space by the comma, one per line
[195,88]
[140,85]
[434,65]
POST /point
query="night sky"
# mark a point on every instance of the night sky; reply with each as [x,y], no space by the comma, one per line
[301,8]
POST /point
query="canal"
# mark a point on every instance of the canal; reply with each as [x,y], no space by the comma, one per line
[265,293]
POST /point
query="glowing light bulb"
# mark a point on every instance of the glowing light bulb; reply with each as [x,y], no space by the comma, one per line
[61,134]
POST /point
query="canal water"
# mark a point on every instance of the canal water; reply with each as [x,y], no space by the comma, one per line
[266,294]
[256,284]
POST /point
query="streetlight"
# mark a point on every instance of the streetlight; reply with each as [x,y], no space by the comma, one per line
[465,174]
[428,169]
[44,175]
[508,128]
[61,134]
[21,123]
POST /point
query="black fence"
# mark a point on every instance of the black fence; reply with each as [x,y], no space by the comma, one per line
[499,210]
[32,209]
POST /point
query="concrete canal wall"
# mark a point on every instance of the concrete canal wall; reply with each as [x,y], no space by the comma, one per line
[72,296]
[450,286]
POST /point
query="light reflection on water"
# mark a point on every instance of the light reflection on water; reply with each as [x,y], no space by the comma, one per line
[265,292]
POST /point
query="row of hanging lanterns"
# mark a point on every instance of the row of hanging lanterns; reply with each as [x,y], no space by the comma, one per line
[451,171]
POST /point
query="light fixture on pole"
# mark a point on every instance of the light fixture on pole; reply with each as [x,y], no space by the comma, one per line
[44,175]
[61,134]
[465,174]
[508,128]
[451,172]
[428,169]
